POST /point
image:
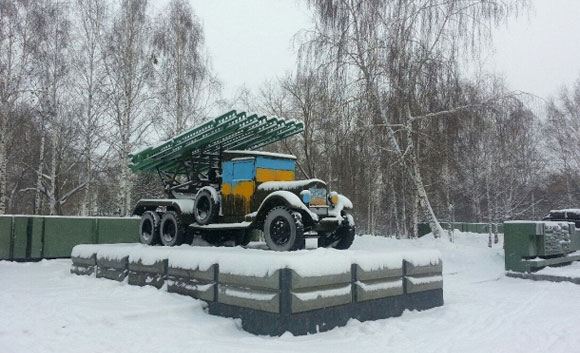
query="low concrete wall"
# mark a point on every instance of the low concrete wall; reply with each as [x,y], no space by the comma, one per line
[280,300]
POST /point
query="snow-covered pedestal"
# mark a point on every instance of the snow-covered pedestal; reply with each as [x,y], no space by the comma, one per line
[300,292]
[569,273]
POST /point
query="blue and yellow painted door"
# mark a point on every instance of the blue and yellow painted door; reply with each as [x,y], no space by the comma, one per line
[238,187]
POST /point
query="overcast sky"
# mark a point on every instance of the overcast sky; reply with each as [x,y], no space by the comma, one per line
[250,42]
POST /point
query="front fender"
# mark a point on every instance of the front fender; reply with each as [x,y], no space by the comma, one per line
[284,198]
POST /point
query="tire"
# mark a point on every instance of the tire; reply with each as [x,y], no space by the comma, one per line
[171,229]
[149,228]
[346,237]
[206,208]
[283,229]
[341,239]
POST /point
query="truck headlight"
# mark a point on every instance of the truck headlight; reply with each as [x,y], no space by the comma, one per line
[306,196]
[333,198]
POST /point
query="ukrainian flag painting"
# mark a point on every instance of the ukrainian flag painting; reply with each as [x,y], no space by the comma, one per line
[240,176]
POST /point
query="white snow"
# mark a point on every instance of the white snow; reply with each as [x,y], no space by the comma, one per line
[257,262]
[186,205]
[292,199]
[253,295]
[189,285]
[284,185]
[44,308]
[575,211]
[343,203]
[261,153]
[243,224]
[382,285]
[572,270]
[424,280]
[323,293]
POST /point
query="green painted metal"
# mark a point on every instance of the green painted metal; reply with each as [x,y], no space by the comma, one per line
[62,234]
[423,229]
[520,242]
[531,245]
[36,237]
[233,130]
[20,237]
[5,237]
[117,230]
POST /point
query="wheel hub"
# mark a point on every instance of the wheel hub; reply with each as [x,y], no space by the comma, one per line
[203,208]
[147,231]
[280,231]
[168,231]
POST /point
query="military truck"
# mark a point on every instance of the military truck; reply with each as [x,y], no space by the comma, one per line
[565,215]
[221,188]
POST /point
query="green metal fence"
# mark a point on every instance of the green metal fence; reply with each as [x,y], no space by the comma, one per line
[38,237]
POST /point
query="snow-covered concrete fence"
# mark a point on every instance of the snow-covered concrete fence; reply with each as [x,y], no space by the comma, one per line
[300,292]
[24,237]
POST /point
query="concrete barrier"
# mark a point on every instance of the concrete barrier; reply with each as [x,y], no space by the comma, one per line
[84,265]
[141,274]
[420,278]
[279,300]
[115,269]
[196,283]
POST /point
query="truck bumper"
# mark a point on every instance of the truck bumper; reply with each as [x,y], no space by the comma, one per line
[327,225]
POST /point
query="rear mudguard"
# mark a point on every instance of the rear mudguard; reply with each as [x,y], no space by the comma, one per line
[183,207]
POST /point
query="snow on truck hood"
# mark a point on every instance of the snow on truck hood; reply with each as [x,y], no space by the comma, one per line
[284,185]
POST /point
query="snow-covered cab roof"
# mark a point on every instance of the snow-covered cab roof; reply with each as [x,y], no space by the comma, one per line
[240,154]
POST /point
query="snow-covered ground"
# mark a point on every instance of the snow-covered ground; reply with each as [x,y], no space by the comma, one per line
[43,308]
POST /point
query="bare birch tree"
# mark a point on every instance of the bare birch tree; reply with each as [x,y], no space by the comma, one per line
[15,57]
[399,51]
[184,85]
[88,65]
[128,66]
[52,64]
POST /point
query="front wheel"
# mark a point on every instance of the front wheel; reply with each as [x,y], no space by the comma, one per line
[342,238]
[283,229]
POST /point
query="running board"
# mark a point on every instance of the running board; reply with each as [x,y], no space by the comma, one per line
[221,226]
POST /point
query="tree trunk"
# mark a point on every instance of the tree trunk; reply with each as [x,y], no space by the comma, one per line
[395,209]
[39,174]
[87,197]
[125,186]
[424,199]
[3,163]
[52,192]
[404,218]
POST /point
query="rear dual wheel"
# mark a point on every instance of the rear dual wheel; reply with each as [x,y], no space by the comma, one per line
[149,228]
[168,229]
